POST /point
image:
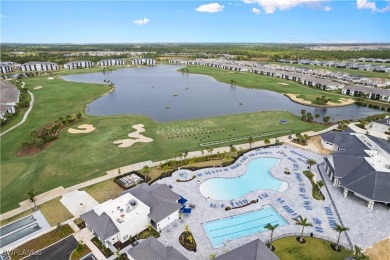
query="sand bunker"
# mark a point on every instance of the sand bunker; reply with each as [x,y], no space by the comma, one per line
[138,138]
[343,101]
[282,83]
[38,87]
[82,129]
[50,78]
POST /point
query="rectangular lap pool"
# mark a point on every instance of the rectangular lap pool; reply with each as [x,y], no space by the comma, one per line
[14,226]
[19,234]
[226,229]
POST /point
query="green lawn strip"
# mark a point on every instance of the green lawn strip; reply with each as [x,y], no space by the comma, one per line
[80,252]
[16,217]
[55,212]
[104,191]
[250,80]
[364,73]
[74,158]
[314,248]
[42,242]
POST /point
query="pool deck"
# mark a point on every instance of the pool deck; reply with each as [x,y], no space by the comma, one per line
[296,200]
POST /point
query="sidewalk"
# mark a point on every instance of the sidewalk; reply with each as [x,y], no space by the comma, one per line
[57,192]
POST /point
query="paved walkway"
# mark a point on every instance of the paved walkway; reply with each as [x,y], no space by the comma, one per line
[57,192]
[371,132]
[24,116]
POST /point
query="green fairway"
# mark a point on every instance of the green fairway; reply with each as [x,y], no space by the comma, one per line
[313,249]
[250,80]
[75,158]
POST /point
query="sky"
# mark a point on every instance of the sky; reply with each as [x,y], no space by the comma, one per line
[252,21]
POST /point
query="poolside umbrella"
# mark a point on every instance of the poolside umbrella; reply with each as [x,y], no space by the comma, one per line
[182,200]
[187,210]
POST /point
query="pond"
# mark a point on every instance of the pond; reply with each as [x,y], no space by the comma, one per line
[164,94]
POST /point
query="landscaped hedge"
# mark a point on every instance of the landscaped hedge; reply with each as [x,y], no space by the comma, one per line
[105,251]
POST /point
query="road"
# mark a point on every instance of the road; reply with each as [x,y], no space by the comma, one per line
[59,251]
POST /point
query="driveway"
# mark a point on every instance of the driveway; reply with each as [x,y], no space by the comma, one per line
[59,251]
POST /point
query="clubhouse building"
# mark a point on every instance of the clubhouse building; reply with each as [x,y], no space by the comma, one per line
[360,165]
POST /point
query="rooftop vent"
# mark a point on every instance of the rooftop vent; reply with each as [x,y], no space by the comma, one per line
[387,166]
[132,202]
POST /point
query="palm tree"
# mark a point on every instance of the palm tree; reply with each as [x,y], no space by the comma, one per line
[185,154]
[300,221]
[339,229]
[272,228]
[320,184]
[145,170]
[358,251]
[317,116]
[311,162]
[32,197]
[267,141]
[250,141]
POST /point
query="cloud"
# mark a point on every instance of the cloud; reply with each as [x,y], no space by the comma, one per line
[142,21]
[327,8]
[270,6]
[210,8]
[255,10]
[366,4]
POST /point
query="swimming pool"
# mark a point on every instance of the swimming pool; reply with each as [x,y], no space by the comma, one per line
[14,226]
[19,234]
[222,230]
[256,177]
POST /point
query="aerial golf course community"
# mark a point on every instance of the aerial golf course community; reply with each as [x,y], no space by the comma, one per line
[199,162]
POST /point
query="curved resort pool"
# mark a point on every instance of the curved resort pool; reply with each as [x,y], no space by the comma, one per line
[256,177]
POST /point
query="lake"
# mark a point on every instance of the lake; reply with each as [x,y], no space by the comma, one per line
[149,90]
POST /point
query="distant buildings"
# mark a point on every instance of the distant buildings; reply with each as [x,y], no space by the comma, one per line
[39,66]
[9,98]
[360,165]
[111,62]
[143,61]
[79,64]
[369,92]
[8,66]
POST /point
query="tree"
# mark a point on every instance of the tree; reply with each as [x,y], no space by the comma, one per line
[250,141]
[32,197]
[311,162]
[79,115]
[185,154]
[267,141]
[145,170]
[320,184]
[300,221]
[326,119]
[212,255]
[316,116]
[340,229]
[272,228]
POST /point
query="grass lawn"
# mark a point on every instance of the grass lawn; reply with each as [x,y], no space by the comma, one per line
[42,241]
[55,212]
[314,248]
[76,158]
[250,80]
[80,252]
[16,217]
[104,190]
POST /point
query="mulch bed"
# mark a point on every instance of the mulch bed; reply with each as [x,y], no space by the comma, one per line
[183,239]
[32,150]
